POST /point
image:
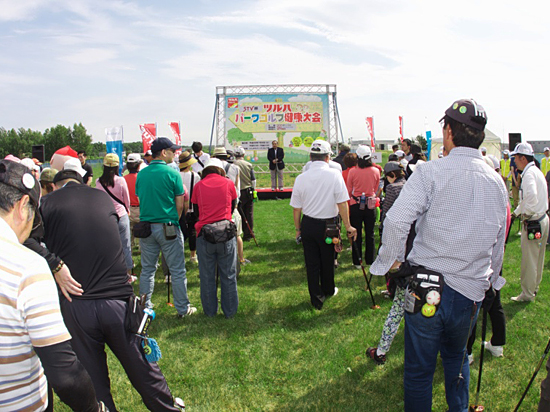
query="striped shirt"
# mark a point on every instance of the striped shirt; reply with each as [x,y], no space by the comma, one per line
[29,317]
[460,206]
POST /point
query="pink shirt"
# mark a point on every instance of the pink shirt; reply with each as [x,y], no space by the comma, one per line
[213,195]
[121,192]
[362,180]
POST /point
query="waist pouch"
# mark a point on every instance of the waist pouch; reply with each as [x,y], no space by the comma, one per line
[142,230]
[371,202]
[423,281]
[332,228]
[534,230]
[219,232]
[134,314]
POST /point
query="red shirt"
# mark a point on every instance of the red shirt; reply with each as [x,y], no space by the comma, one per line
[362,181]
[131,182]
[213,195]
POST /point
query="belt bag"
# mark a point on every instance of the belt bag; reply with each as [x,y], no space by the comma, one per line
[371,202]
[219,232]
[142,229]
[423,282]
[534,230]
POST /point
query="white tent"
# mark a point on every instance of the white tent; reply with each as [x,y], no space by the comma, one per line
[492,143]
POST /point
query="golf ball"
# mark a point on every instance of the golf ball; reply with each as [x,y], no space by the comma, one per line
[433,297]
[428,310]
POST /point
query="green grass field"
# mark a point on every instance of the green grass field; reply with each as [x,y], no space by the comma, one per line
[279,354]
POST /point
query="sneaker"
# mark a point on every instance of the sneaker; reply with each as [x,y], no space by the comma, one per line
[167,279]
[190,310]
[335,291]
[522,298]
[496,351]
[470,359]
[194,259]
[178,403]
[245,262]
[357,267]
[335,263]
[379,359]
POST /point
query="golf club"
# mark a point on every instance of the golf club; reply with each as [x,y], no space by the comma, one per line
[534,375]
[354,245]
[169,281]
[240,210]
[477,407]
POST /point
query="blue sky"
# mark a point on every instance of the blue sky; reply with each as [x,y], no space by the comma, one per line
[106,63]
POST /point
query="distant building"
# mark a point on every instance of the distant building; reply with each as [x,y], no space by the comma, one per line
[380,144]
[539,145]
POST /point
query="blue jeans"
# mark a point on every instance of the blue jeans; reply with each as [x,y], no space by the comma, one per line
[173,252]
[224,257]
[124,231]
[446,332]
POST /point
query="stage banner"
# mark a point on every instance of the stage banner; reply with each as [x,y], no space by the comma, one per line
[401,128]
[113,141]
[370,129]
[148,134]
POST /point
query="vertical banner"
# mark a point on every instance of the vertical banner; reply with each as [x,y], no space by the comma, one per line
[148,134]
[175,127]
[401,128]
[429,141]
[113,141]
[370,129]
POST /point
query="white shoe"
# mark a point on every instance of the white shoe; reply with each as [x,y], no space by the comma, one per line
[496,351]
[190,311]
[335,291]
[194,260]
[178,403]
[167,279]
[357,267]
[470,359]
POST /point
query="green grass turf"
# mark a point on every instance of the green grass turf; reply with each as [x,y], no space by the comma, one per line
[279,354]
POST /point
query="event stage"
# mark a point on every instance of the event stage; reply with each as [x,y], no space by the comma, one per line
[268,194]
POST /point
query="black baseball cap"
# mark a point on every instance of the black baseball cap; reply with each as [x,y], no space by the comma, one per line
[468,112]
[392,166]
[19,177]
[162,143]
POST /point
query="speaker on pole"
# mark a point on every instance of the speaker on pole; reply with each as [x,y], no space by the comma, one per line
[513,140]
[38,152]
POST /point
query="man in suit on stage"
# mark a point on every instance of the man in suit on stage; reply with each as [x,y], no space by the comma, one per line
[275,155]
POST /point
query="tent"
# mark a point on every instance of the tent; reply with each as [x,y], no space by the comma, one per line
[492,143]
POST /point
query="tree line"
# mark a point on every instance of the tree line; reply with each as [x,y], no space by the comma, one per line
[19,142]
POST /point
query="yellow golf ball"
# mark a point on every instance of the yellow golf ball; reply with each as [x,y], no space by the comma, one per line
[428,310]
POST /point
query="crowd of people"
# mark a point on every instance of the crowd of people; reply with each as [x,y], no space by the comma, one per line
[54,223]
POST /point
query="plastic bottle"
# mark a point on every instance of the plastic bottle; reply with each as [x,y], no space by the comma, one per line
[362,201]
[255,196]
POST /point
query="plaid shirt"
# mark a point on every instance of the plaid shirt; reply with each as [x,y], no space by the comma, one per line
[460,206]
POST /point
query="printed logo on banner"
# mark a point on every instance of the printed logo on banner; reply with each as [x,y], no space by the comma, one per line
[232,102]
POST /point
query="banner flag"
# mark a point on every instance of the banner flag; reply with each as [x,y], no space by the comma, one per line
[175,127]
[148,134]
[401,128]
[429,140]
[370,129]
[113,141]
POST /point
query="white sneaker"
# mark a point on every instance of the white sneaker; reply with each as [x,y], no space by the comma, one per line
[178,403]
[470,359]
[194,260]
[167,279]
[335,291]
[496,351]
[357,267]
[190,311]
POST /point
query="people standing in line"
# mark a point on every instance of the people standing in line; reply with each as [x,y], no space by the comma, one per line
[188,221]
[350,160]
[319,194]
[36,349]
[406,148]
[133,164]
[88,177]
[362,185]
[246,199]
[505,171]
[161,201]
[215,200]
[200,157]
[98,314]
[532,208]
[450,199]
[275,156]
[117,189]
[344,150]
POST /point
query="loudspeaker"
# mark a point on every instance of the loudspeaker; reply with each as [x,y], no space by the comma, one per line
[513,140]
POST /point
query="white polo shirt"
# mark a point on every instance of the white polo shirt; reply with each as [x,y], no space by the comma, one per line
[533,193]
[318,191]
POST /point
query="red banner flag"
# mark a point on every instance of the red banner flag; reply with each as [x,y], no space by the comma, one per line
[148,134]
[401,128]
[370,129]
[175,126]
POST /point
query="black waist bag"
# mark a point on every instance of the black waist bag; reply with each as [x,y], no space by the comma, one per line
[219,232]
[142,229]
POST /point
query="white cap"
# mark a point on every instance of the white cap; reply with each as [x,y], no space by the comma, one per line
[483,150]
[364,152]
[134,158]
[30,164]
[74,164]
[320,147]
[239,151]
[506,152]
[545,149]
[415,165]
[400,153]
[440,155]
[214,161]
[523,149]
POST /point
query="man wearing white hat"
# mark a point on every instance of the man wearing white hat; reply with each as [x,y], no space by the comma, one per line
[545,162]
[319,194]
[532,208]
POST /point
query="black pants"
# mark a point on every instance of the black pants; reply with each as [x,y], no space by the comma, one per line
[188,230]
[358,219]
[246,210]
[94,323]
[498,322]
[319,259]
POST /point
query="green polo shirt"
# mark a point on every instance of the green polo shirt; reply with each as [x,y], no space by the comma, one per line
[157,186]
